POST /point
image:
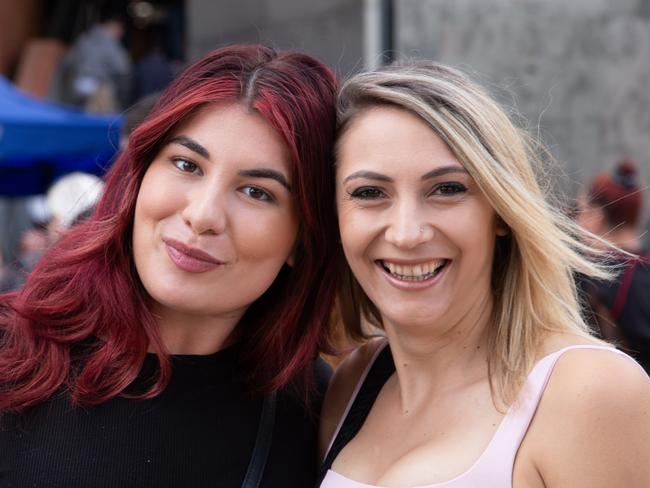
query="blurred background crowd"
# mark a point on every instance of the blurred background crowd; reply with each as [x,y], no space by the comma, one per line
[76,76]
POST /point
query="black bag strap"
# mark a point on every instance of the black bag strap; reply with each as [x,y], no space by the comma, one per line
[262,444]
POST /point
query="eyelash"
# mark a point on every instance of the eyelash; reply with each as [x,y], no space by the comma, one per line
[363,193]
[179,163]
[449,188]
[442,189]
[267,197]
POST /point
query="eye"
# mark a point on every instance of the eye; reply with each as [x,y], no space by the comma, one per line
[186,166]
[449,188]
[257,193]
[367,193]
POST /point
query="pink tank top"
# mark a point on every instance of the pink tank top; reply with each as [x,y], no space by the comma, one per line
[493,468]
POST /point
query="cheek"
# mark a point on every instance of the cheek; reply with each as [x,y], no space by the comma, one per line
[355,230]
[475,232]
[156,199]
[265,236]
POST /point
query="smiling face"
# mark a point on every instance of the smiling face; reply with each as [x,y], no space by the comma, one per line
[417,231]
[214,218]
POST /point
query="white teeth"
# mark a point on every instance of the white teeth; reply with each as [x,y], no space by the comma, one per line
[418,272]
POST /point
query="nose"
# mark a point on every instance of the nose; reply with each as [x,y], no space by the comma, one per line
[408,226]
[206,211]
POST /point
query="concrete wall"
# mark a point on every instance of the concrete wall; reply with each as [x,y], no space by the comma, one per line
[330,30]
[578,69]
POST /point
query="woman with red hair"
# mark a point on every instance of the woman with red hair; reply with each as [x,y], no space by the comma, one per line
[610,208]
[171,339]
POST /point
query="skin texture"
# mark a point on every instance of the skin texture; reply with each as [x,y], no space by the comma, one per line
[435,416]
[200,191]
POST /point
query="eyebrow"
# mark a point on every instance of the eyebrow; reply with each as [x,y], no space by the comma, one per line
[371,175]
[444,170]
[191,144]
[266,173]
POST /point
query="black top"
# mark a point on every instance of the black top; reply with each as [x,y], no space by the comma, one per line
[199,432]
[628,300]
[379,372]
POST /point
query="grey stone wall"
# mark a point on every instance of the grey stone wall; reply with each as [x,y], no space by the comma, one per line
[579,70]
[330,30]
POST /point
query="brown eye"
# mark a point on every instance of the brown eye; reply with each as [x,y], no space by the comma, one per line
[367,193]
[451,188]
[186,166]
[257,193]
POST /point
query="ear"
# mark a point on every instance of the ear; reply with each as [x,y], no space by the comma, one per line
[501,228]
[291,260]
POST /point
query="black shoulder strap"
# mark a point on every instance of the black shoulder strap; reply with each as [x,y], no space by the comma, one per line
[625,281]
[262,447]
[379,373]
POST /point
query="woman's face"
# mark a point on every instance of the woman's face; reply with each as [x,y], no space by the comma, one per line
[215,219]
[417,232]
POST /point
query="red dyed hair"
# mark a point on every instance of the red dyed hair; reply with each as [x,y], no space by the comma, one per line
[81,322]
[618,194]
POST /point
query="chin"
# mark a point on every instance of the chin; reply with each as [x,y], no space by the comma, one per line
[409,319]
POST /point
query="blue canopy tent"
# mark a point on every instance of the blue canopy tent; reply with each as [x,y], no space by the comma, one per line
[40,141]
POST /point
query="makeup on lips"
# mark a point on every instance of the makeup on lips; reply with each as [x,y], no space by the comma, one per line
[413,275]
[190,259]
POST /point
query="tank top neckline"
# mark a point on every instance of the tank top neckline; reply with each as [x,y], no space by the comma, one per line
[507,417]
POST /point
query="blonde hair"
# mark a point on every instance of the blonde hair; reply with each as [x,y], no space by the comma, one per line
[533,282]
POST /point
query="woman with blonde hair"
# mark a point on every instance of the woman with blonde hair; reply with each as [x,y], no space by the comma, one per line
[485,374]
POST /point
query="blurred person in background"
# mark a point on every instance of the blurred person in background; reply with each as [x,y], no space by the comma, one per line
[70,200]
[134,115]
[610,207]
[171,339]
[96,73]
[7,275]
[33,243]
[153,72]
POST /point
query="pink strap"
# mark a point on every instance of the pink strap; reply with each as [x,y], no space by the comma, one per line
[494,467]
[503,447]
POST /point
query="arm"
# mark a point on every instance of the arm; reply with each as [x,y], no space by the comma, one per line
[594,421]
[340,390]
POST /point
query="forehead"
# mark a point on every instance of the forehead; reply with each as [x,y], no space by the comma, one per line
[392,137]
[230,131]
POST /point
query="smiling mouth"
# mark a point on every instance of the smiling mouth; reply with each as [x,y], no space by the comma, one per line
[413,272]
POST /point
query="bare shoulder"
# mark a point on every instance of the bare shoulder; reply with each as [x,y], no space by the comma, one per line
[341,388]
[593,423]
[597,374]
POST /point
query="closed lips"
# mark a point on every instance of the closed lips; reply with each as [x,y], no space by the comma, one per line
[191,251]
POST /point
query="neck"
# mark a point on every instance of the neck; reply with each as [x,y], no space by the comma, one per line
[184,333]
[445,355]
